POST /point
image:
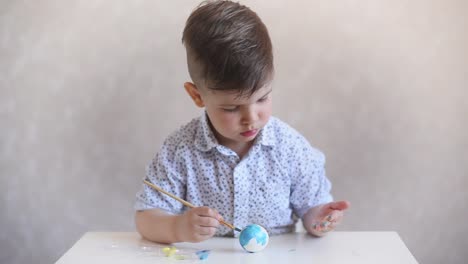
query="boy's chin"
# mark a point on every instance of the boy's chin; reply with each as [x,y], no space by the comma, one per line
[246,139]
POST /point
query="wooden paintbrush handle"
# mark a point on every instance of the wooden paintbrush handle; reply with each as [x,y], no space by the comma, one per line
[169,194]
[157,188]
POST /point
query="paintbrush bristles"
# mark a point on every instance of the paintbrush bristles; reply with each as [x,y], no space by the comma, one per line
[185,202]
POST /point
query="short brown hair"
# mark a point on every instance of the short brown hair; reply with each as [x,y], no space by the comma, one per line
[228,47]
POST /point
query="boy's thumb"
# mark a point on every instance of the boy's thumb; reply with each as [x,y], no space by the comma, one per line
[340,205]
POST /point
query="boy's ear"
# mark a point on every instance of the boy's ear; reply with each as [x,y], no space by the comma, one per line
[194,93]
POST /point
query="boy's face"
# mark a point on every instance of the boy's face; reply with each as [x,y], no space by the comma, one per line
[236,120]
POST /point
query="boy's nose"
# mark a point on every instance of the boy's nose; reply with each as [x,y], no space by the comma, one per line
[249,117]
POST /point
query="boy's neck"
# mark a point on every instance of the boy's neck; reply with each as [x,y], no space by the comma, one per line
[241,149]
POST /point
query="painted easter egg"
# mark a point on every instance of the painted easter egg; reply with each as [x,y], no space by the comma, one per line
[253,238]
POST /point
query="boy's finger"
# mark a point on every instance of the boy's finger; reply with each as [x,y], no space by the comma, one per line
[208,221]
[334,216]
[218,216]
[206,211]
[329,227]
[323,226]
[340,205]
[206,231]
[316,227]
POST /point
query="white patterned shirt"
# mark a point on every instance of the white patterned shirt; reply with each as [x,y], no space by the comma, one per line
[275,183]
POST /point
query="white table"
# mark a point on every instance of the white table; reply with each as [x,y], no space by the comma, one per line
[336,247]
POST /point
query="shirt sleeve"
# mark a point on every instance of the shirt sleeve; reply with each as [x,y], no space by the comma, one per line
[164,172]
[310,186]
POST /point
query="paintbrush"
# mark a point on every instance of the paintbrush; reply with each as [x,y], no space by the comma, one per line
[186,203]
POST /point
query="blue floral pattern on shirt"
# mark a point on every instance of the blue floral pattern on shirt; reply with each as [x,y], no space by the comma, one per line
[277,181]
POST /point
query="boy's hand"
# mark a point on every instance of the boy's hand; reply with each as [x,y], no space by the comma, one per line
[324,218]
[197,224]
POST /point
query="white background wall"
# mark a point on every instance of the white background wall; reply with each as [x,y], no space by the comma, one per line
[89,89]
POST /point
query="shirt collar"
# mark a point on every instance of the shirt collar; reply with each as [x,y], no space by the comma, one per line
[205,139]
[266,136]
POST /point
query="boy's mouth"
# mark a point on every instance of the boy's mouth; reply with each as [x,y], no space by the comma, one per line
[249,133]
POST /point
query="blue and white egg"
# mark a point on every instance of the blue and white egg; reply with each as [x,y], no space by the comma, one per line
[253,238]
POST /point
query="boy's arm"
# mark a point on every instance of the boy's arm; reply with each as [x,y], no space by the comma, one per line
[323,218]
[156,225]
[194,225]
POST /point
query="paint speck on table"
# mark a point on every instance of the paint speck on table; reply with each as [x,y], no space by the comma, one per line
[179,257]
[203,254]
[169,251]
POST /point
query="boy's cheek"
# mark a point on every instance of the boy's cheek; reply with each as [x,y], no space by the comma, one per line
[227,119]
[222,122]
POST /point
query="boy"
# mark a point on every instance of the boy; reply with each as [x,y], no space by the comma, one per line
[235,161]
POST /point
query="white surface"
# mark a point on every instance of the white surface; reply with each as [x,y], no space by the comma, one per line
[337,247]
[90,89]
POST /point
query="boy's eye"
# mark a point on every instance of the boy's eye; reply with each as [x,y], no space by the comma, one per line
[230,109]
[262,99]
